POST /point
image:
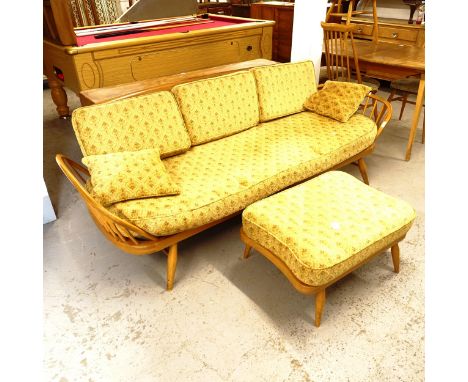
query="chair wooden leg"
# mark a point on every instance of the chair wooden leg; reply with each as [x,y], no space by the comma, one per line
[396,258]
[319,304]
[403,104]
[247,251]
[171,266]
[363,170]
[391,96]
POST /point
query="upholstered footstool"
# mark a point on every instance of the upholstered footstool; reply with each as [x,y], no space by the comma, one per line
[321,230]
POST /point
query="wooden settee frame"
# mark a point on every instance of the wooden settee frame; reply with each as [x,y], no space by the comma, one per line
[132,239]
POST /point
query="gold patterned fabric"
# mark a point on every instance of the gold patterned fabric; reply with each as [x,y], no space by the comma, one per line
[326,226]
[283,88]
[222,177]
[137,123]
[128,175]
[218,107]
[337,100]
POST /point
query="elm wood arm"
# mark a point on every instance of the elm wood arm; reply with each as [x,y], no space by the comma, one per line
[125,235]
[370,108]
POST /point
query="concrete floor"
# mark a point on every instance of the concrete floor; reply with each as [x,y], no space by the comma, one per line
[107,316]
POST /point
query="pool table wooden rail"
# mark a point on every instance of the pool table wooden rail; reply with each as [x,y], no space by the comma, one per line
[134,59]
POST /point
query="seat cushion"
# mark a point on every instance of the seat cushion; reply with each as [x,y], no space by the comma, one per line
[218,107]
[137,123]
[222,177]
[324,227]
[283,88]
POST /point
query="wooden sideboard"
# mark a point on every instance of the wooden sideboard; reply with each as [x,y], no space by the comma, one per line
[283,14]
[391,30]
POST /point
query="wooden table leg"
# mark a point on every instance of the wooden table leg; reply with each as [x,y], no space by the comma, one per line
[59,97]
[416,114]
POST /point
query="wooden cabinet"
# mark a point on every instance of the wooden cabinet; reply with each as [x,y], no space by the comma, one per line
[283,14]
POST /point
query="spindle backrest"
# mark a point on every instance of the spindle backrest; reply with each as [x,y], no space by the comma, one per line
[339,51]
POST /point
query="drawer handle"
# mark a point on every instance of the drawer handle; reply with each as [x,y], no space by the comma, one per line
[359,30]
[394,34]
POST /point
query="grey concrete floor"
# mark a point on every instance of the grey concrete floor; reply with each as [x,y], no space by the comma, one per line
[107,316]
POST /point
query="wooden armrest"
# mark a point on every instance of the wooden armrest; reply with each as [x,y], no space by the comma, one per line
[377,109]
[122,233]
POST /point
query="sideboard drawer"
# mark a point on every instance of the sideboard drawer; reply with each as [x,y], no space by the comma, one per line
[363,30]
[398,34]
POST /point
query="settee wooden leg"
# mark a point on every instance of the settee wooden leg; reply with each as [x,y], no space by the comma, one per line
[247,251]
[319,304]
[396,258]
[363,170]
[171,266]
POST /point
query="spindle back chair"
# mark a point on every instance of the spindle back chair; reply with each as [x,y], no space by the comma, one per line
[339,51]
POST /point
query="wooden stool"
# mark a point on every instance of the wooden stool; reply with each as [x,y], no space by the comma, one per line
[321,230]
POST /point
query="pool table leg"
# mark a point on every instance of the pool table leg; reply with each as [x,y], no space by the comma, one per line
[59,97]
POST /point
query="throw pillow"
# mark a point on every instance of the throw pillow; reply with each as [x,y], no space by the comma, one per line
[129,175]
[337,100]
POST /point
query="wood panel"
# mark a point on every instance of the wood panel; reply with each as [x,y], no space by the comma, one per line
[283,14]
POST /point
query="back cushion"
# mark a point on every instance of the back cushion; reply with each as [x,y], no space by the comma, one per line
[283,88]
[137,123]
[218,107]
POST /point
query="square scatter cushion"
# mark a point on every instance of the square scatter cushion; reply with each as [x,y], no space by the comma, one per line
[337,100]
[127,175]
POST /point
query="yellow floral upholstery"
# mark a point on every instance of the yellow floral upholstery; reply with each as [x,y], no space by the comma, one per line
[283,88]
[337,100]
[128,175]
[218,107]
[324,227]
[224,176]
[137,123]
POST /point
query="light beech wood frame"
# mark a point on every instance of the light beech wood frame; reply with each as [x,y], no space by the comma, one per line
[319,291]
[132,239]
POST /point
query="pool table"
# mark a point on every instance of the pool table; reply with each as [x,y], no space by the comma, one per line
[106,55]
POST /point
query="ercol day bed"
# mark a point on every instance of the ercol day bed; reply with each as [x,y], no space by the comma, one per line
[227,141]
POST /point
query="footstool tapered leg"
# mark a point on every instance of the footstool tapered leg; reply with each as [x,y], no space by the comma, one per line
[247,251]
[319,304]
[396,258]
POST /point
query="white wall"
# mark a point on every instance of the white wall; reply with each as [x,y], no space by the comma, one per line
[307,33]
[48,213]
[395,9]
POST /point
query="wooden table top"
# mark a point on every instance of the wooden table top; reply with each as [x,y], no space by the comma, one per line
[389,54]
[385,53]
